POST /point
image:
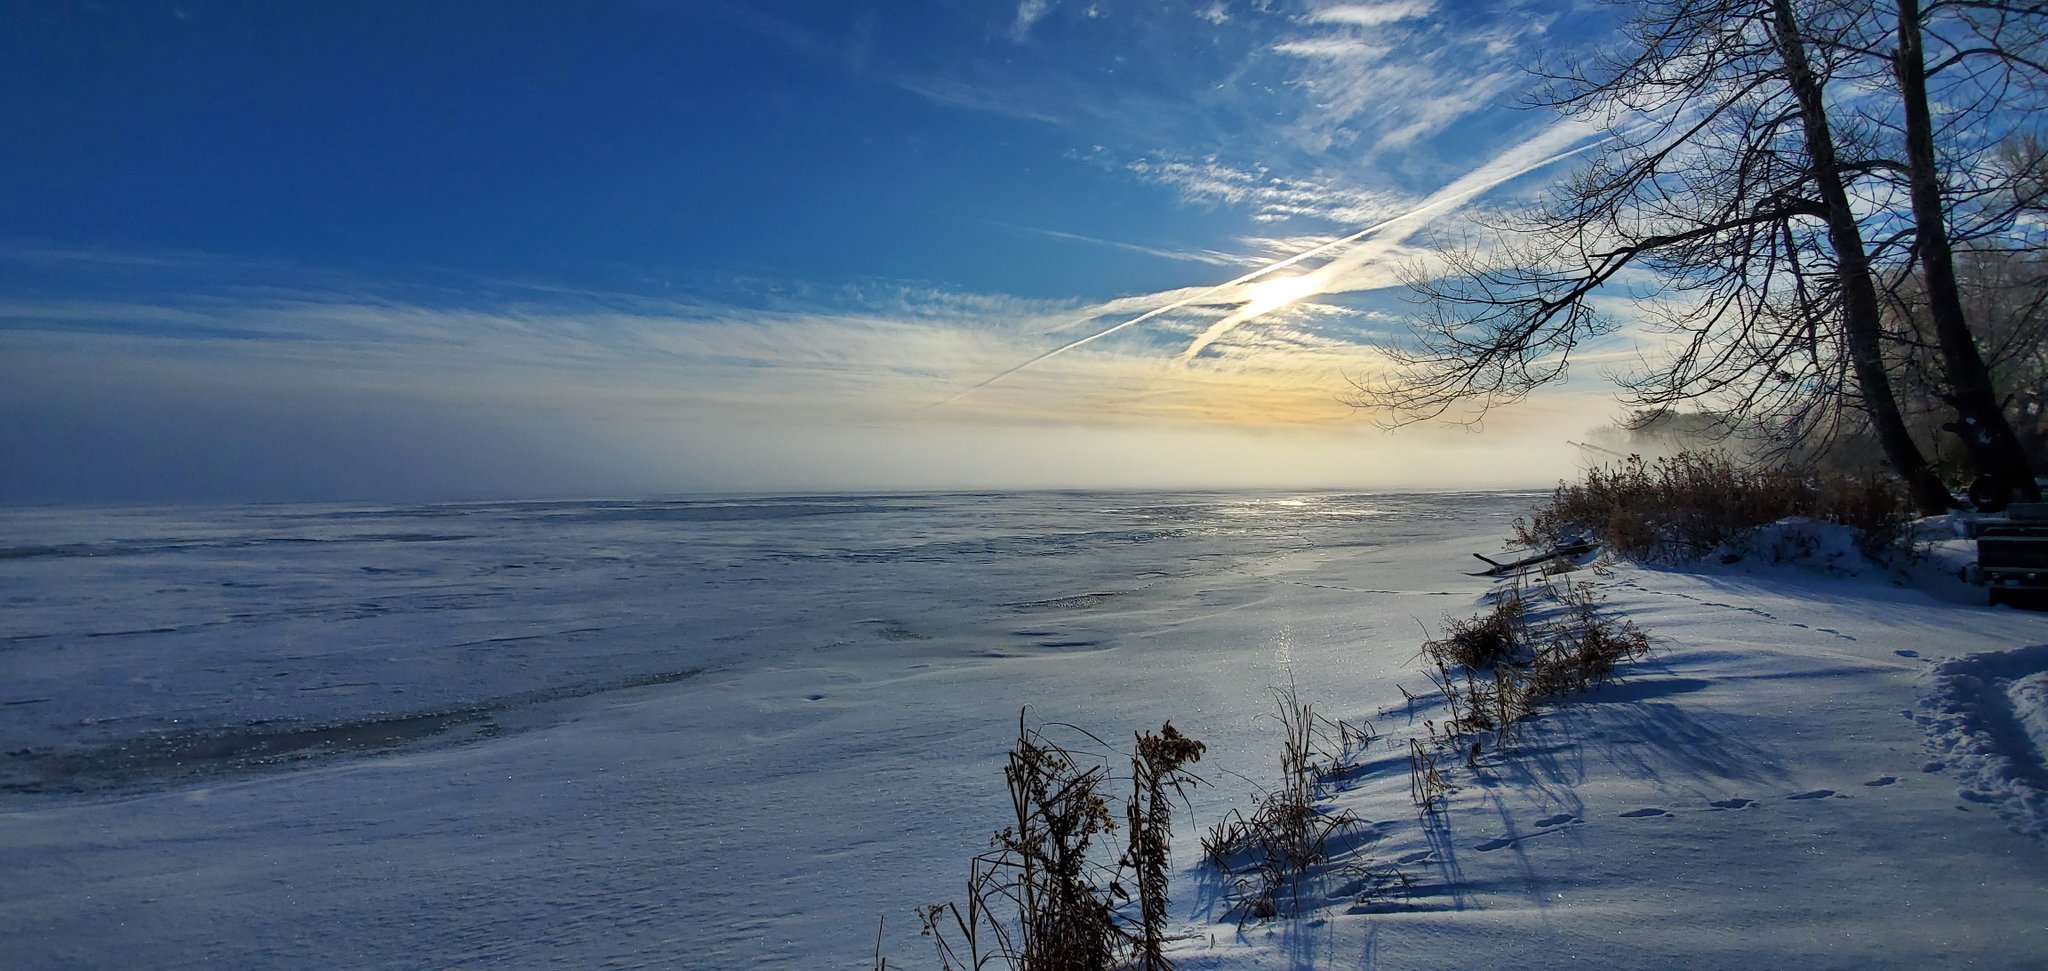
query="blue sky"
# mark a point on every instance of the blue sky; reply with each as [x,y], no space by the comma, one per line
[448,250]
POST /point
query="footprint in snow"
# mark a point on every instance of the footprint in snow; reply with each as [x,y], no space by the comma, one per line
[1547,824]
[1815,794]
[1644,813]
[1883,780]
[1737,803]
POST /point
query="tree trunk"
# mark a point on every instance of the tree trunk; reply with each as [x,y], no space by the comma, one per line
[1993,448]
[1860,319]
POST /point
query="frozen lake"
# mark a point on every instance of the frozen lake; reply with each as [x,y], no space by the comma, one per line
[700,733]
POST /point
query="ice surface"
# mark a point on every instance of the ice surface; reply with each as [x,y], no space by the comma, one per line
[737,732]
[330,736]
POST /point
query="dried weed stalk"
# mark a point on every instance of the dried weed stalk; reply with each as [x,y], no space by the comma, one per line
[1042,899]
[1486,640]
[1426,783]
[1159,778]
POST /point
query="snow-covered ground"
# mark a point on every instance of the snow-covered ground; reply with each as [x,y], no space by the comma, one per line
[737,733]
[1806,775]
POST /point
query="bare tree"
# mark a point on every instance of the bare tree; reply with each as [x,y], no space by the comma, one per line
[1861,312]
[2005,295]
[1994,449]
[1734,197]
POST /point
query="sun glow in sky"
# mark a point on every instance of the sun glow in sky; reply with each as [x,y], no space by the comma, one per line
[396,250]
[1274,293]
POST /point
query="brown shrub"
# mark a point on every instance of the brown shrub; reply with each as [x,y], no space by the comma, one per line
[1584,648]
[1689,504]
[1486,640]
[1578,650]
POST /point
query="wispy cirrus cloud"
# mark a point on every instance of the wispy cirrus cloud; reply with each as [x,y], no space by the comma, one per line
[1269,196]
[1313,104]
[1029,12]
[967,95]
[1373,14]
[1336,48]
[1362,260]
[1206,256]
[878,355]
[1374,257]
[1383,76]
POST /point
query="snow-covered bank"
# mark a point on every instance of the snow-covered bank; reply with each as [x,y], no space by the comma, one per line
[1758,794]
[1769,791]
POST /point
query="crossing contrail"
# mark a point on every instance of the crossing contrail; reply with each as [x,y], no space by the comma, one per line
[1176,305]
[1470,185]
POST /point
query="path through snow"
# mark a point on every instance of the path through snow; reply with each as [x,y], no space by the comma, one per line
[1987,719]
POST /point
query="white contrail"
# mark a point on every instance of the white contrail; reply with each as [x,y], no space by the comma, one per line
[1465,188]
[1444,197]
[1176,305]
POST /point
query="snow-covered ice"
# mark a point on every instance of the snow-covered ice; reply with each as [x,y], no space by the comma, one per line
[737,732]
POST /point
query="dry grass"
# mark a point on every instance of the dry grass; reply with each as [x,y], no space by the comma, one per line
[1495,669]
[1426,783]
[1690,504]
[1484,641]
[1287,835]
[1584,648]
